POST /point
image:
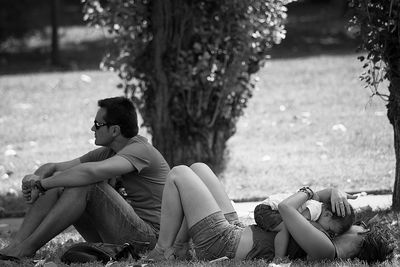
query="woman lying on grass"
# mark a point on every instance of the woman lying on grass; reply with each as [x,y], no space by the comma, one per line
[195,205]
[332,221]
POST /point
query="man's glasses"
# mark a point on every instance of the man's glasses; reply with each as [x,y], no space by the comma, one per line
[98,125]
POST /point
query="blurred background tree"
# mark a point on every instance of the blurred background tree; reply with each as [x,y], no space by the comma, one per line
[16,22]
[377,23]
[188,65]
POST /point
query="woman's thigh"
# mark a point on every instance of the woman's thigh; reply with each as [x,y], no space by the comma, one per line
[196,199]
[214,185]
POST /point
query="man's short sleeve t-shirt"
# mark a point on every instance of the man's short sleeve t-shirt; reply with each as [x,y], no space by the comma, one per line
[144,186]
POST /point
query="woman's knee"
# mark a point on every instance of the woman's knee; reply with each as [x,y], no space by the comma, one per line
[199,166]
[180,172]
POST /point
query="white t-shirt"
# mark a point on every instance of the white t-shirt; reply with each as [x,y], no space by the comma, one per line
[315,207]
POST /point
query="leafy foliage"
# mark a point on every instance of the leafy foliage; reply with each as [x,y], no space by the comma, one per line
[188,65]
[378,23]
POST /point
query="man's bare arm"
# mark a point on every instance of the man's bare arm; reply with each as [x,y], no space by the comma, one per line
[49,169]
[89,173]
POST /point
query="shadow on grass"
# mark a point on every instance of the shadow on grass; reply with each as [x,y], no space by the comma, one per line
[312,29]
[12,206]
[86,55]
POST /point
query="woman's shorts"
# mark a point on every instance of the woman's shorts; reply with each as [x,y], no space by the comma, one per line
[267,218]
[214,237]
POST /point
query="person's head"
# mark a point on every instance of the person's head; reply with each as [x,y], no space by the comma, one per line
[116,116]
[334,224]
[371,244]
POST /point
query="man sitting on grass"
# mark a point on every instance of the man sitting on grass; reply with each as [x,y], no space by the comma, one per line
[76,192]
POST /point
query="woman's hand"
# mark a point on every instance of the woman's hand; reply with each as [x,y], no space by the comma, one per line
[339,202]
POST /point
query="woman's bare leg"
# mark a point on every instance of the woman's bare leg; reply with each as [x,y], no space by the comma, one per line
[183,192]
[214,185]
[218,192]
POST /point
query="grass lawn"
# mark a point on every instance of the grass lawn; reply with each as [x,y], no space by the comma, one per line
[310,122]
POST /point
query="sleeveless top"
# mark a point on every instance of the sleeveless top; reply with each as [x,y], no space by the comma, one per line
[263,245]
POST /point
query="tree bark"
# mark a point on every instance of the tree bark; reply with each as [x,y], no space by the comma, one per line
[394,118]
[393,59]
[162,129]
[55,53]
[197,141]
[396,188]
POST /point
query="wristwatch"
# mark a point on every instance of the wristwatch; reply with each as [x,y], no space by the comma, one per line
[307,190]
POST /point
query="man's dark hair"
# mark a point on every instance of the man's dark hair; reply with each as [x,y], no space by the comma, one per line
[344,223]
[378,244]
[121,111]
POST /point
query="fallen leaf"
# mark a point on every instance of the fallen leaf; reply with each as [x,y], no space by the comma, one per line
[266,158]
[380,113]
[23,106]
[339,127]
[10,152]
[86,78]
[319,143]
[32,143]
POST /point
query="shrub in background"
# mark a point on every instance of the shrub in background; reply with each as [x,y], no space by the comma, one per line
[188,65]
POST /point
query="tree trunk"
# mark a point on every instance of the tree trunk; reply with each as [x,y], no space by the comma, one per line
[394,118]
[394,114]
[396,188]
[196,142]
[55,55]
[207,147]
[160,123]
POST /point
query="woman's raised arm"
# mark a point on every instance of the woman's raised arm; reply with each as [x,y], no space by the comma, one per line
[315,243]
[337,198]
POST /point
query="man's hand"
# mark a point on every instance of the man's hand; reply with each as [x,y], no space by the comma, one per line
[46,170]
[339,202]
[30,193]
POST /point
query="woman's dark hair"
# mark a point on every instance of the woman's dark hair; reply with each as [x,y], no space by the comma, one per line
[344,222]
[377,245]
[121,111]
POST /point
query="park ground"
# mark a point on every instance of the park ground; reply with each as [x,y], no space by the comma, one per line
[310,121]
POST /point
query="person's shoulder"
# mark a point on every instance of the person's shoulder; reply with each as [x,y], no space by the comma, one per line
[97,154]
[139,145]
[138,140]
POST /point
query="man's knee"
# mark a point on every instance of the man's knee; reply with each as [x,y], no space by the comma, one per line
[80,191]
